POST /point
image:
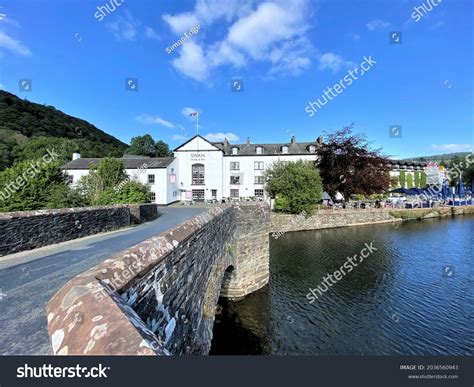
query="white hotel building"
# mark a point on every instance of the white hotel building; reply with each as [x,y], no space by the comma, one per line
[203,170]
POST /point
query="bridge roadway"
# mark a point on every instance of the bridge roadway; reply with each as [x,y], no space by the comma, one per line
[29,279]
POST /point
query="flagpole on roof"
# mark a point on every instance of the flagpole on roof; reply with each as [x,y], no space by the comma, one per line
[197,122]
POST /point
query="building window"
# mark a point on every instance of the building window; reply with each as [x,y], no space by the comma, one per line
[234,193]
[235,180]
[70,179]
[152,197]
[214,193]
[259,150]
[258,180]
[151,179]
[235,151]
[259,193]
[258,165]
[234,166]
[197,174]
[198,195]
[284,149]
[312,149]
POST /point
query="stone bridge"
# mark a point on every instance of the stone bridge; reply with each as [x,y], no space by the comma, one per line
[159,297]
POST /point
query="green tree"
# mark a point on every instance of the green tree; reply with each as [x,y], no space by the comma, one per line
[409,180]
[142,146]
[297,185]
[28,186]
[131,192]
[36,147]
[104,176]
[162,149]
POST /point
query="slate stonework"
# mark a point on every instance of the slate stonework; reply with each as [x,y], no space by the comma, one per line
[159,297]
[26,230]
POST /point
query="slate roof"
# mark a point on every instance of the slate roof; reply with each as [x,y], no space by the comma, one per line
[298,148]
[129,163]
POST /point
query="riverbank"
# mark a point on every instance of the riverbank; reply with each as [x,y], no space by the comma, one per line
[324,219]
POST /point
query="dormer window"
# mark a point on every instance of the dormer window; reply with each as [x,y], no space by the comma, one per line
[312,149]
[235,151]
[259,150]
[284,149]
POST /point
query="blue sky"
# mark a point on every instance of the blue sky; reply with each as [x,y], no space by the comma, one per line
[287,52]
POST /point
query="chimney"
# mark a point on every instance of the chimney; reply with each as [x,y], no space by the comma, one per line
[248,141]
[76,156]
[293,139]
[226,143]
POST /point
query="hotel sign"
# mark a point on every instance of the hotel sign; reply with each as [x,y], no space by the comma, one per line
[198,157]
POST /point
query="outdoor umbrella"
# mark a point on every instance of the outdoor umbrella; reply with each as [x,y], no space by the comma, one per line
[444,189]
[461,192]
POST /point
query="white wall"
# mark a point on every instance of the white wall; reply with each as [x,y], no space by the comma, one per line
[199,151]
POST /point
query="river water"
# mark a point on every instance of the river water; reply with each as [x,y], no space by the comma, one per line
[413,296]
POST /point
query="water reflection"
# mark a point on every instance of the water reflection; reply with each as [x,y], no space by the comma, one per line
[400,300]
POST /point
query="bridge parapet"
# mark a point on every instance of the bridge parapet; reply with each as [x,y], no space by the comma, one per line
[159,297]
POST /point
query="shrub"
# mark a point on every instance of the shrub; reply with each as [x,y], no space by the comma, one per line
[24,187]
[131,192]
[296,186]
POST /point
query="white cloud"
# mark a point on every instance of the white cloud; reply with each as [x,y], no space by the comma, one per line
[13,45]
[187,111]
[453,147]
[377,24]
[252,34]
[146,119]
[333,62]
[181,22]
[217,137]
[150,33]
[2,86]
[124,28]
[191,62]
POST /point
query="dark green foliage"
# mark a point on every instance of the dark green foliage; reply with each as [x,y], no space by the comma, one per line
[146,146]
[63,196]
[22,121]
[107,183]
[296,185]
[162,149]
[131,192]
[24,187]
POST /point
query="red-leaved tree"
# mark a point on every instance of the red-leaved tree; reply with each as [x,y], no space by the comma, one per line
[347,164]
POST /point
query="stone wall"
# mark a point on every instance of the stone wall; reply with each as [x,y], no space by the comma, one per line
[251,250]
[164,289]
[281,223]
[26,230]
